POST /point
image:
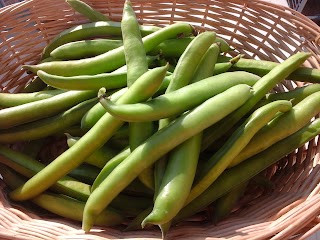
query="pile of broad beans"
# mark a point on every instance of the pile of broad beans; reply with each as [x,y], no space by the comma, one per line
[158,122]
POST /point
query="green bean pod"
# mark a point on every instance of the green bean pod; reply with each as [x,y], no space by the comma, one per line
[176,182]
[89,30]
[114,58]
[47,126]
[134,52]
[260,89]
[84,48]
[87,11]
[281,127]
[94,139]
[184,71]
[28,112]
[206,66]
[137,65]
[159,144]
[98,158]
[235,144]
[177,102]
[243,172]
[85,82]
[296,95]
[263,67]
[178,176]
[11,100]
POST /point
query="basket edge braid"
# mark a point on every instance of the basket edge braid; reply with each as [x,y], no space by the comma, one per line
[295,202]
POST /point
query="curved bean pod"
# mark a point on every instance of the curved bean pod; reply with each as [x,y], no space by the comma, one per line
[184,71]
[11,100]
[85,82]
[89,30]
[87,11]
[115,58]
[47,126]
[84,48]
[159,144]
[263,67]
[176,182]
[206,66]
[28,112]
[134,52]
[296,95]
[177,102]
[137,65]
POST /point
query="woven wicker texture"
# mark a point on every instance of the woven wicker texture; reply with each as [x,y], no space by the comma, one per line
[257,29]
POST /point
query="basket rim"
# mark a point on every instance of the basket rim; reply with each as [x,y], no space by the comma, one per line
[308,201]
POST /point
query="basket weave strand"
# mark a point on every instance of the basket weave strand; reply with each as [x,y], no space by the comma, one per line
[255,28]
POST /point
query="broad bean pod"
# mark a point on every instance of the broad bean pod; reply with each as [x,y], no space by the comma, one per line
[206,66]
[11,100]
[84,48]
[263,67]
[28,112]
[89,30]
[177,177]
[47,126]
[137,65]
[85,82]
[177,102]
[87,11]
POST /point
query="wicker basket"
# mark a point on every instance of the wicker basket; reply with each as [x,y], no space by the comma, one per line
[255,28]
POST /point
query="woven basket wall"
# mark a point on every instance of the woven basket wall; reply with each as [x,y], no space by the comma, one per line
[259,30]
